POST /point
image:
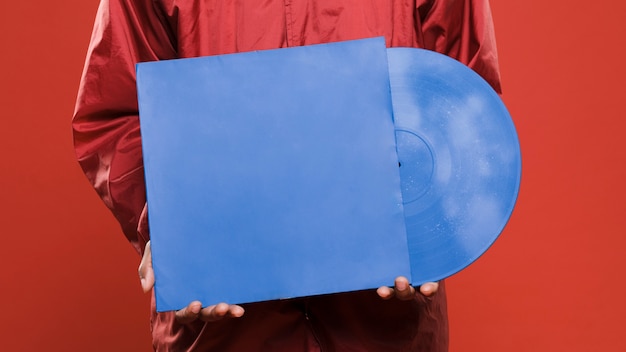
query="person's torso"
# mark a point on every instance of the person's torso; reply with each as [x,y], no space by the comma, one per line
[212,27]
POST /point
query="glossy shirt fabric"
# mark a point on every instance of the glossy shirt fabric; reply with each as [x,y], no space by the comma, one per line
[108,144]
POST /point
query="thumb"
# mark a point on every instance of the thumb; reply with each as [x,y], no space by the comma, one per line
[146,273]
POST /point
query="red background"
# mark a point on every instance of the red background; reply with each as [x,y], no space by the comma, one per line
[552,282]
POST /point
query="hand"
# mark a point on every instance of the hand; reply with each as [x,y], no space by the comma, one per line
[194,310]
[404,291]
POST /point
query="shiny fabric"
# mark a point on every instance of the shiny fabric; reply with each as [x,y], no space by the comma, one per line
[108,144]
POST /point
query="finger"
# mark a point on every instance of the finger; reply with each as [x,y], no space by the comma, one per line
[430,288]
[221,311]
[146,273]
[235,311]
[189,313]
[403,290]
[385,292]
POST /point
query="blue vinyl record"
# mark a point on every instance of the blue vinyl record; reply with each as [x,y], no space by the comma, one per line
[460,163]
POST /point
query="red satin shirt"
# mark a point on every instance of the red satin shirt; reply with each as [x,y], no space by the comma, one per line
[108,145]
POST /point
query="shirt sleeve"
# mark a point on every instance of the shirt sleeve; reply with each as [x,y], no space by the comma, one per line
[463,30]
[105,123]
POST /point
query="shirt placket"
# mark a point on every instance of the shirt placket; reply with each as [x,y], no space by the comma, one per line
[289,22]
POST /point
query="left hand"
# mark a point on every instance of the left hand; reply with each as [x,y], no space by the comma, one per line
[404,291]
[194,310]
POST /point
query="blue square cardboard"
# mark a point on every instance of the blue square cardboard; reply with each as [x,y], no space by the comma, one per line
[272,174]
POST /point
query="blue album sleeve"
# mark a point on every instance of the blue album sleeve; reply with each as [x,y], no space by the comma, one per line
[272,174]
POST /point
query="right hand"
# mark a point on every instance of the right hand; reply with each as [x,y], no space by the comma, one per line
[194,310]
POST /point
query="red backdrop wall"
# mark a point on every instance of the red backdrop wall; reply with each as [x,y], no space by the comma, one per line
[552,282]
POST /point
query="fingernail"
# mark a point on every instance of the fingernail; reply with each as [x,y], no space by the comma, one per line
[195,308]
[238,311]
[401,285]
[427,290]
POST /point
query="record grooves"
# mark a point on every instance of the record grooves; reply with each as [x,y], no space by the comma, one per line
[459,157]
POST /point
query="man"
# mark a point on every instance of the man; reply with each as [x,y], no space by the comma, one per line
[108,146]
